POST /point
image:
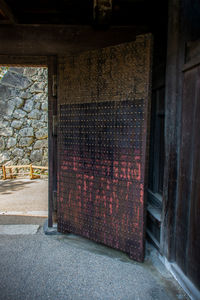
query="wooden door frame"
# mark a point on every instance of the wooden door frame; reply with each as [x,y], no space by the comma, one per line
[50,63]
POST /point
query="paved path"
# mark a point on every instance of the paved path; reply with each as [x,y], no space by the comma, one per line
[24,197]
[67,267]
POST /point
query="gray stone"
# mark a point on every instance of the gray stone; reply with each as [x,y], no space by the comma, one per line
[5,92]
[37,124]
[2,144]
[41,134]
[45,106]
[16,80]
[28,106]
[16,70]
[14,161]
[11,142]
[40,144]
[18,152]
[19,102]
[36,155]
[4,124]
[19,114]
[30,72]
[35,114]
[30,148]
[26,132]
[44,118]
[25,141]
[9,109]
[29,122]
[23,113]
[16,124]
[26,95]
[38,87]
[8,131]
[37,105]
[4,157]
[3,106]
[39,97]
[25,161]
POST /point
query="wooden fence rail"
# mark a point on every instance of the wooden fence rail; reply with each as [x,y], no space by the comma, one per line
[9,172]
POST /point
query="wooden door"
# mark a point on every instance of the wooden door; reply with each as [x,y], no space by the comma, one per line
[102,144]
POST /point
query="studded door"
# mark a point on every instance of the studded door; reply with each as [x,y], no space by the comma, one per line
[102,145]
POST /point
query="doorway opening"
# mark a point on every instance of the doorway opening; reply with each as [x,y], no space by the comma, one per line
[23,141]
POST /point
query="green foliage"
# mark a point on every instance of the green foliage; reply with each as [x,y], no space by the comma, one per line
[3,71]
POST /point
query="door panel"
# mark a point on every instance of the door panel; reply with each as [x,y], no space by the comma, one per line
[102,144]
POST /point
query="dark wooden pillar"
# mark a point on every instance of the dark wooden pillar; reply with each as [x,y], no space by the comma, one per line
[175,60]
[52,138]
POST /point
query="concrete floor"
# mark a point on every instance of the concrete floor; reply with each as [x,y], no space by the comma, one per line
[24,197]
[38,266]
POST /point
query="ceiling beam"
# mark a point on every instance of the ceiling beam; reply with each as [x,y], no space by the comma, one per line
[61,40]
[7,13]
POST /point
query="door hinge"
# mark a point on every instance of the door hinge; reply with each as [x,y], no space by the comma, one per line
[54,85]
[55,125]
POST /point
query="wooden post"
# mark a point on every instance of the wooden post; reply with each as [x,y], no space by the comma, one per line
[31,171]
[10,171]
[4,172]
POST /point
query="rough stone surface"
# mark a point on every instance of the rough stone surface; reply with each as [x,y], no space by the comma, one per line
[16,124]
[36,155]
[23,116]
[19,102]
[7,131]
[16,80]
[41,144]
[28,106]
[4,157]
[2,144]
[26,132]
[11,142]
[41,134]
[34,114]
[25,142]
[19,114]
[18,152]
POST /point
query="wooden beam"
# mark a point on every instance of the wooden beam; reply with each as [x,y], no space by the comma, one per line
[61,40]
[7,13]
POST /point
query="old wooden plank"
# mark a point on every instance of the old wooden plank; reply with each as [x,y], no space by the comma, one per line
[193,249]
[23,61]
[51,40]
[185,171]
[52,140]
[175,59]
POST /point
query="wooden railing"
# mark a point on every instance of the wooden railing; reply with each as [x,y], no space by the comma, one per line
[11,172]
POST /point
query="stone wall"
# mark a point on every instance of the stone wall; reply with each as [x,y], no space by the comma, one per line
[23,117]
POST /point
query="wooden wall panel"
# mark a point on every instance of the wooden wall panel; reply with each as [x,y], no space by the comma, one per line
[193,258]
[188,207]
[185,172]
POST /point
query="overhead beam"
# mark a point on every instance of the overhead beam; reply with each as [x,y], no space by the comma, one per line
[7,12]
[60,40]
